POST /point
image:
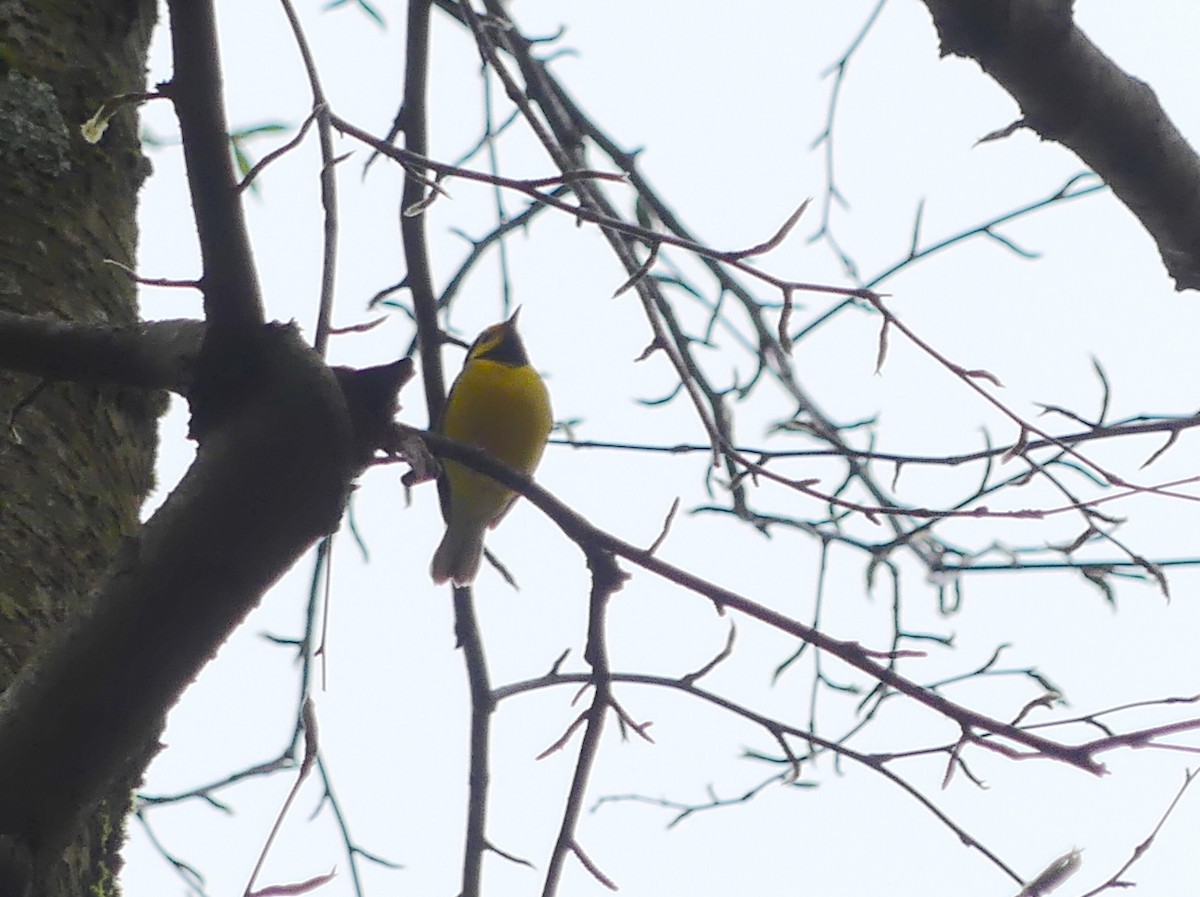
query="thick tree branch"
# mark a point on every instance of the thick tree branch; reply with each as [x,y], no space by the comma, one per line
[162,355]
[265,484]
[149,355]
[231,296]
[1071,93]
[419,277]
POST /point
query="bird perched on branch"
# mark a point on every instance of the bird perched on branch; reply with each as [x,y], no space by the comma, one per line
[500,404]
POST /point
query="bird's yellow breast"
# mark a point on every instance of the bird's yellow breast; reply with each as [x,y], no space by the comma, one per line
[502,409]
[505,411]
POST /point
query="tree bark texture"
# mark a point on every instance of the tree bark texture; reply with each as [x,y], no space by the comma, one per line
[77,461]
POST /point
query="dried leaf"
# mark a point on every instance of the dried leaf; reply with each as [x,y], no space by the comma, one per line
[1053,875]
[883,345]
[300,887]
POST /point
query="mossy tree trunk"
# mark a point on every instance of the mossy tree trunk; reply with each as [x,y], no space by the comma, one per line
[78,460]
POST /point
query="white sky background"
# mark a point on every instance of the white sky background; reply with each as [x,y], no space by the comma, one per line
[726,103]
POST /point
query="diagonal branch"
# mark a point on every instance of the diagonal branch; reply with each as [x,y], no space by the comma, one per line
[1070,92]
[592,539]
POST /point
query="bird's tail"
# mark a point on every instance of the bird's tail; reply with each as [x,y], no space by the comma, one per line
[458,556]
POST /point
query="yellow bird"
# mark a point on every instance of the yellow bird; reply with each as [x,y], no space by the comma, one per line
[500,404]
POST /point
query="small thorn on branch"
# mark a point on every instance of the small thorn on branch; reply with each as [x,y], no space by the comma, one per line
[666,527]
[641,272]
[778,237]
[591,867]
